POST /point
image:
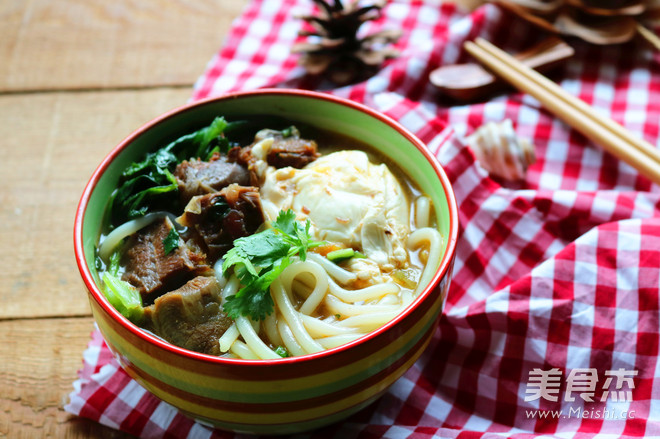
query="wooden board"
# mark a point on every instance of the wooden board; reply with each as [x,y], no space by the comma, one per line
[39,364]
[85,44]
[56,140]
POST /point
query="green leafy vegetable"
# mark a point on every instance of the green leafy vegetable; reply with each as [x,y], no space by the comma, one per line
[343,254]
[171,241]
[257,260]
[123,296]
[149,184]
[289,131]
[282,352]
[219,210]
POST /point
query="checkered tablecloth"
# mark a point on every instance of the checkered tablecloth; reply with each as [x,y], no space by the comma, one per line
[552,324]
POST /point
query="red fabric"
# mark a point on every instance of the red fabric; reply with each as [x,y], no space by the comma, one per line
[557,275]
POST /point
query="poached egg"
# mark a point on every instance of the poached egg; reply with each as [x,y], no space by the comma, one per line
[348,200]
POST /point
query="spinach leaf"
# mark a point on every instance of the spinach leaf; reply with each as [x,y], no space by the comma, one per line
[150,185]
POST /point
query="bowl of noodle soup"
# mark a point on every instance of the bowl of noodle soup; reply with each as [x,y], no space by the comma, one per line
[269,261]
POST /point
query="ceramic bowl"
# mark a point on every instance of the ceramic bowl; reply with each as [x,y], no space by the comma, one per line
[291,394]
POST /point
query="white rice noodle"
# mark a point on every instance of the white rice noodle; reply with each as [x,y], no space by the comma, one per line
[352,313]
[217,270]
[390,299]
[253,341]
[422,211]
[228,338]
[292,317]
[320,287]
[372,292]
[336,306]
[242,350]
[406,298]
[320,328]
[334,270]
[434,241]
[269,326]
[288,339]
[369,322]
[230,288]
[338,340]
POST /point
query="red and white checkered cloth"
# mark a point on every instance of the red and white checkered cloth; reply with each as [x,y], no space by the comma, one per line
[552,325]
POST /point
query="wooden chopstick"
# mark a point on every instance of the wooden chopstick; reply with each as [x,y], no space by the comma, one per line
[608,134]
[641,144]
[649,36]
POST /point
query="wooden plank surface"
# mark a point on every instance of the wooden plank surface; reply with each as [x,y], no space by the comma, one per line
[74,44]
[39,364]
[76,77]
[55,141]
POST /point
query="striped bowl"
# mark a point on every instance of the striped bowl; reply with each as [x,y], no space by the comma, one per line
[286,395]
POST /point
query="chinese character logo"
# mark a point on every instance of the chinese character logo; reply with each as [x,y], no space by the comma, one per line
[623,380]
[545,384]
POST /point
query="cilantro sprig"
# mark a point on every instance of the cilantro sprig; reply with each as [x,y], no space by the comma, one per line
[257,260]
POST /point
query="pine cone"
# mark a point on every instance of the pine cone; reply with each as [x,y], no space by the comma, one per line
[336,51]
[595,21]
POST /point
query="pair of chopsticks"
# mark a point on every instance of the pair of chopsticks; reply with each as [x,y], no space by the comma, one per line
[611,136]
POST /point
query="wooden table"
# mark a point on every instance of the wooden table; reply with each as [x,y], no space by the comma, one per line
[76,77]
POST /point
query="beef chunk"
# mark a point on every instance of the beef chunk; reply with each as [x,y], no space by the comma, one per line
[196,177]
[151,269]
[190,317]
[287,149]
[221,217]
[243,156]
[292,151]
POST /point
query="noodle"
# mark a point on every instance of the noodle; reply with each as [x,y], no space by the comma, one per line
[253,340]
[270,328]
[369,293]
[320,287]
[293,319]
[334,270]
[338,340]
[289,340]
[422,212]
[434,240]
[241,350]
[344,309]
[369,322]
[231,287]
[312,284]
[319,328]
[228,338]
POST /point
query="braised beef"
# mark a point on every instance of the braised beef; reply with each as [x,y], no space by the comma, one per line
[220,218]
[151,269]
[292,151]
[244,157]
[190,317]
[196,177]
[286,150]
